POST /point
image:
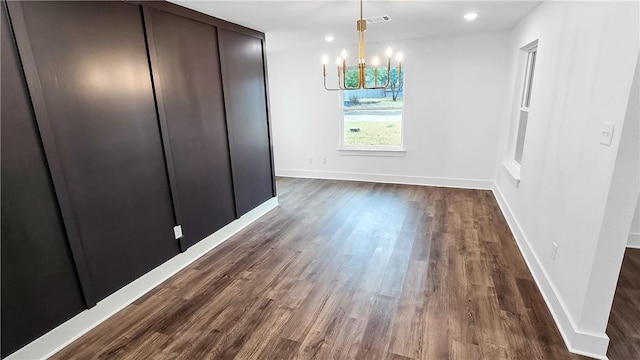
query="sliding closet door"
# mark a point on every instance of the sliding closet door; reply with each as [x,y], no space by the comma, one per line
[184,54]
[91,62]
[40,288]
[245,100]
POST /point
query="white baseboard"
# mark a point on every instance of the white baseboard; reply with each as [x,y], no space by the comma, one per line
[388,179]
[56,339]
[634,241]
[577,341]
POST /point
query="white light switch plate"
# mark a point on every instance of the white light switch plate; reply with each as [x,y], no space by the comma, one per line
[606,133]
[177,231]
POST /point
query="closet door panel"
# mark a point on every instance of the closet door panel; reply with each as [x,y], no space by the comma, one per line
[40,287]
[188,81]
[93,68]
[245,101]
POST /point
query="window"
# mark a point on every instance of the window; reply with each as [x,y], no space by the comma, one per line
[527,59]
[525,102]
[372,119]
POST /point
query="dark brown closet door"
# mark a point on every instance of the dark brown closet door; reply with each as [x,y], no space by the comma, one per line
[189,88]
[93,68]
[245,101]
[40,288]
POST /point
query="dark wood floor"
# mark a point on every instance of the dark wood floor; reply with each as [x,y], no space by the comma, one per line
[624,322]
[346,270]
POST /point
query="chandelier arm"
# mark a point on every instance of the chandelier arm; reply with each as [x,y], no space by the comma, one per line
[339,79]
[399,85]
[379,87]
[388,82]
[324,82]
[351,88]
[386,85]
[343,84]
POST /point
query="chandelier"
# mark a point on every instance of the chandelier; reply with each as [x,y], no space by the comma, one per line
[341,62]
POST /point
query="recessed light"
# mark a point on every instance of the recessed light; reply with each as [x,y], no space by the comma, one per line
[329,38]
[471,16]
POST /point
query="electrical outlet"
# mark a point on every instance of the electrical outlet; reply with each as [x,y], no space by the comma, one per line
[310,160]
[554,251]
[606,133]
[324,160]
[177,231]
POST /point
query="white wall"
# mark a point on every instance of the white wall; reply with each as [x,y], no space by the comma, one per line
[454,106]
[621,203]
[634,234]
[587,53]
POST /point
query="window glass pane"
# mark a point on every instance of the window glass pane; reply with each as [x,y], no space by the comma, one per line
[525,82]
[373,117]
[351,78]
[532,65]
[522,129]
[373,99]
[373,127]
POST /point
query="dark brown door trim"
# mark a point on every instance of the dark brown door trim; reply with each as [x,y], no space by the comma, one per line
[268,110]
[162,118]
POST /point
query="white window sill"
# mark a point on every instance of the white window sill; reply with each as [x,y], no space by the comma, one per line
[371,152]
[513,168]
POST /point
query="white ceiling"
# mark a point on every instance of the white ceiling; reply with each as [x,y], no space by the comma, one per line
[303,24]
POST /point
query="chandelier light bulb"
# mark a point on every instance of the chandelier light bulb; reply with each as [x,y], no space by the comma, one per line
[325,59]
[375,61]
[389,52]
[344,54]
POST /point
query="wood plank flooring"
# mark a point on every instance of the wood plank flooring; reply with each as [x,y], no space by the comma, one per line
[346,270]
[624,322]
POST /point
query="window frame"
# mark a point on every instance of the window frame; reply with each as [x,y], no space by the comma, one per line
[531,51]
[373,150]
[523,109]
